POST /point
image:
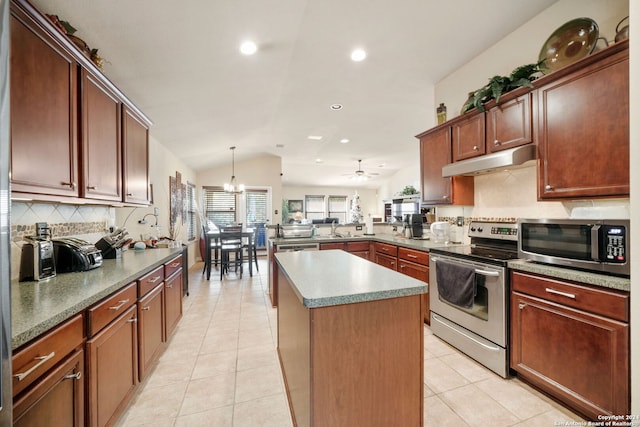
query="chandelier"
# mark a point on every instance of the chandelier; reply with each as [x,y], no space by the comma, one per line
[233,186]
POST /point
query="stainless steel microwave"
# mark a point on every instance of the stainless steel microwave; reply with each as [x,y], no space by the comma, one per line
[597,245]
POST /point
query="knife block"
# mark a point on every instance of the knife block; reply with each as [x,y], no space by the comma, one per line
[108,250]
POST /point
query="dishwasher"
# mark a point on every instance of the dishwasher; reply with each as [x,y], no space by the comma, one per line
[297,247]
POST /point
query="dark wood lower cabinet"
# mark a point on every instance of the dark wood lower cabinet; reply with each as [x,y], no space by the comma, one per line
[420,272]
[579,357]
[57,399]
[112,356]
[173,302]
[150,328]
[386,261]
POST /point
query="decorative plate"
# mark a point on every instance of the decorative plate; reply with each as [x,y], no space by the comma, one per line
[572,41]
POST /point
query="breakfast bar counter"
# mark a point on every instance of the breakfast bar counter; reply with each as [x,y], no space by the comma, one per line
[350,340]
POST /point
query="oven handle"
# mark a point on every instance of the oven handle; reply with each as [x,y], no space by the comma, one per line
[483,272]
[489,347]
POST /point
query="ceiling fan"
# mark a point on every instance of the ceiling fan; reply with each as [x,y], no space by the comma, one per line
[360,175]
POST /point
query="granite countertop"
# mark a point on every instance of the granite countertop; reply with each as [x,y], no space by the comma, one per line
[334,277]
[602,280]
[418,244]
[38,306]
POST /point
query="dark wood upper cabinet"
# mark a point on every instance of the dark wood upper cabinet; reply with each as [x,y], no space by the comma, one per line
[584,128]
[44,111]
[467,136]
[509,124]
[135,142]
[435,152]
[101,146]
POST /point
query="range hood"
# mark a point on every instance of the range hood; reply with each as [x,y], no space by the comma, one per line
[493,162]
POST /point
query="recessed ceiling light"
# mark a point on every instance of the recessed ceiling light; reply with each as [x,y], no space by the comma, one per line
[381,165]
[344,140]
[279,145]
[248,48]
[315,137]
[336,107]
[318,160]
[358,55]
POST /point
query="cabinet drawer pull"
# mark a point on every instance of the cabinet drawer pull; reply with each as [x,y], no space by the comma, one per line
[41,359]
[412,256]
[134,320]
[155,279]
[564,294]
[75,376]
[146,308]
[169,286]
[175,265]
[119,306]
[521,305]
[91,187]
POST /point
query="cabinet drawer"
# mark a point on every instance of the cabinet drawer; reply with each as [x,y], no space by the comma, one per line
[387,261]
[35,359]
[104,312]
[172,266]
[357,246]
[417,271]
[386,249]
[605,302]
[327,246]
[412,255]
[150,281]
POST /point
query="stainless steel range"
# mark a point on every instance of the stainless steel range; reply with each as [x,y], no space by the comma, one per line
[469,293]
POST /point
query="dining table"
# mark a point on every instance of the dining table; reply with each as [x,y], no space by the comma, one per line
[213,235]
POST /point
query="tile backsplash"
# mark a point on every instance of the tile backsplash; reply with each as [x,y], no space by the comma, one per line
[85,222]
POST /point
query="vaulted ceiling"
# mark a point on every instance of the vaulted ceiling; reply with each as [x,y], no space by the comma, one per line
[180,63]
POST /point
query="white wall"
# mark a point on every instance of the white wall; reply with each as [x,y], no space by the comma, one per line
[409,175]
[263,172]
[369,202]
[634,56]
[162,165]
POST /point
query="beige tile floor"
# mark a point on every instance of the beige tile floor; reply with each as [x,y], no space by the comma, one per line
[221,369]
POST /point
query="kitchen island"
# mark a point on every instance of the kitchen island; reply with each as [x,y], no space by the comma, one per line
[350,340]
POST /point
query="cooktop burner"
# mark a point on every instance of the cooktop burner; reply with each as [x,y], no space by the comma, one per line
[492,242]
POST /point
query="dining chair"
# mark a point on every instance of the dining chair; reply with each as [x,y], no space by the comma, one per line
[254,239]
[230,243]
[214,244]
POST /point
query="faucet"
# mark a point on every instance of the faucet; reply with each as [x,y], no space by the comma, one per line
[333,229]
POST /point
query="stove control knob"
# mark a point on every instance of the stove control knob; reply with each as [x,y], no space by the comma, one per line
[479,229]
[473,229]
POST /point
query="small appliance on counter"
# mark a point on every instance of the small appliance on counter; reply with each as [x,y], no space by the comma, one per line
[412,226]
[111,244]
[296,231]
[37,261]
[440,231]
[73,254]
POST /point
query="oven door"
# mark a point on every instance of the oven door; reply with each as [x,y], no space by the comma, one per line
[487,316]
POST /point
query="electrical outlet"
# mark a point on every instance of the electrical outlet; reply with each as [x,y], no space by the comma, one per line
[358,228]
[460,221]
[156,211]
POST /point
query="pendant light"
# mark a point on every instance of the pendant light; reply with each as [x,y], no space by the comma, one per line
[233,186]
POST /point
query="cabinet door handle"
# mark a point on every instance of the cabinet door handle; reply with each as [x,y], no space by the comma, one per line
[146,308]
[564,294]
[155,279]
[134,320]
[169,286]
[91,187]
[521,305]
[41,361]
[129,194]
[444,197]
[475,148]
[119,306]
[69,184]
[75,376]
[548,187]
[496,142]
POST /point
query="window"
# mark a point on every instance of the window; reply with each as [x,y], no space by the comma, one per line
[191,211]
[337,208]
[256,206]
[219,206]
[314,207]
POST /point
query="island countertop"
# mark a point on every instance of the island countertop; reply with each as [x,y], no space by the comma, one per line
[334,277]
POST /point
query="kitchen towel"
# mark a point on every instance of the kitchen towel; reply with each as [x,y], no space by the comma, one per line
[456,283]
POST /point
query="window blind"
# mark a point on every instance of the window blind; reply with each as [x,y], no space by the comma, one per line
[256,206]
[191,211]
[219,206]
[337,208]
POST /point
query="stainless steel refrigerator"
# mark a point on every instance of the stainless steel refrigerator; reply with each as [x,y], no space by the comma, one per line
[5,224]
